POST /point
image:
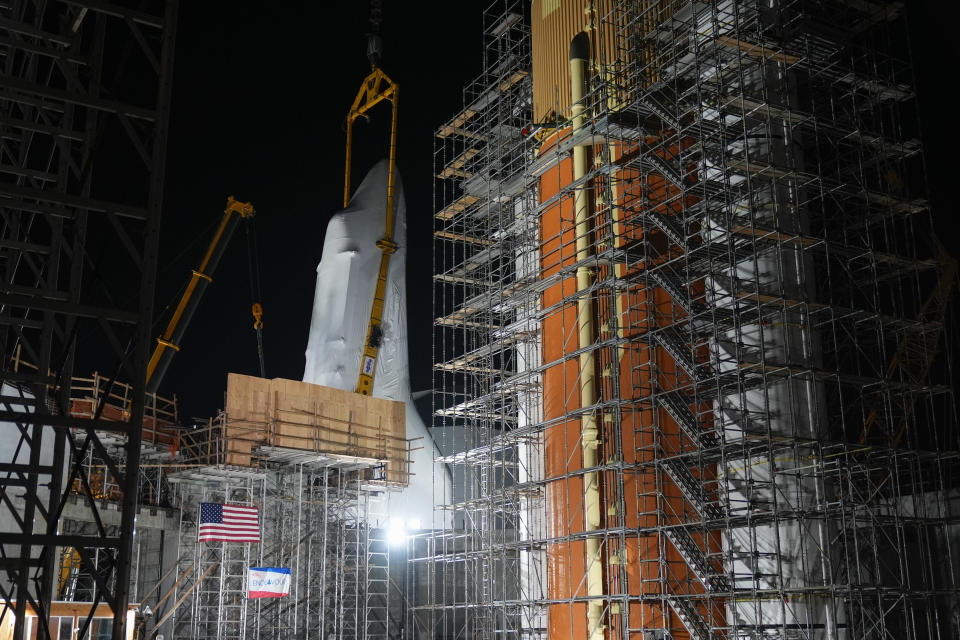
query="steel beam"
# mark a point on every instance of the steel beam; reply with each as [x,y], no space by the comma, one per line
[58,311]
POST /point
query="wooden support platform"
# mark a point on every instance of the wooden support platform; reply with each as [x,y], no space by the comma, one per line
[459,205]
[455,126]
[457,237]
[456,168]
[271,415]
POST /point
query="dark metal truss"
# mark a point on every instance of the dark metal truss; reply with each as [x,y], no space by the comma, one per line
[84,101]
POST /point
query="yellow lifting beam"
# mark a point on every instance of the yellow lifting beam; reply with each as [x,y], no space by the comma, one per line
[376,88]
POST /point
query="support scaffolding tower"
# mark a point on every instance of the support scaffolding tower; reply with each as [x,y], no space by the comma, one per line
[322,515]
[689,347]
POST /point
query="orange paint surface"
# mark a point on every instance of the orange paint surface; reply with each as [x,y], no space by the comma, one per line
[644,563]
[566,561]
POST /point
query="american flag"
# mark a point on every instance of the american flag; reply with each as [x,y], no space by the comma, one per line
[228,523]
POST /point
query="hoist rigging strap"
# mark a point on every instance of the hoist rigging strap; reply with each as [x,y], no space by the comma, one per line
[257,307]
[376,15]
[374,43]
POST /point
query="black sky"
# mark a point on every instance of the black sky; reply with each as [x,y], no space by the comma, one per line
[259,98]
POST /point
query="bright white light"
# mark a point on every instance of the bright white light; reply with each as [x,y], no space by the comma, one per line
[396,532]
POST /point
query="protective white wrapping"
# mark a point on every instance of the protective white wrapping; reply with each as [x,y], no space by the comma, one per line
[346,281]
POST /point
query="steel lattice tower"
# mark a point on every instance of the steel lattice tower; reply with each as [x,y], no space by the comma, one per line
[84,105]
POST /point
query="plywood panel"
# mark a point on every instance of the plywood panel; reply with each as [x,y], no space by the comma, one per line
[309,417]
[554,24]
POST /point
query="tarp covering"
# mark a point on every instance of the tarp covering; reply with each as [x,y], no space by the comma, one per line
[346,281]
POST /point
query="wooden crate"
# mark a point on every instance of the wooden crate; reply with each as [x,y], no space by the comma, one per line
[308,417]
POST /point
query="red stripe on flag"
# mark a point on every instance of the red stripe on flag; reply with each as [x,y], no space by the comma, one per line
[237,523]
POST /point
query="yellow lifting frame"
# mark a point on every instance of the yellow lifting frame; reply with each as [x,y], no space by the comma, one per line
[376,87]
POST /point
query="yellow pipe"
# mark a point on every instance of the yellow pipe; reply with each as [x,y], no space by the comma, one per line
[590,437]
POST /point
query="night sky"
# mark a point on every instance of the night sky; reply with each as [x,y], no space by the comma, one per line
[259,99]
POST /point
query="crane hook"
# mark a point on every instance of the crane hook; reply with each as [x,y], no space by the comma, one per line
[257,310]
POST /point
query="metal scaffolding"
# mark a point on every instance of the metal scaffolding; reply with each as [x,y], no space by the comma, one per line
[690,373]
[321,515]
[214,591]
